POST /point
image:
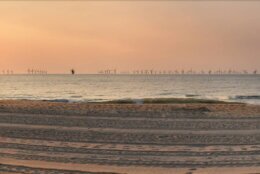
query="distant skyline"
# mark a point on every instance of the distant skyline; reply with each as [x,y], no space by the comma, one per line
[92,36]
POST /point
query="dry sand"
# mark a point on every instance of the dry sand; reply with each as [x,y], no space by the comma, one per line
[74,138]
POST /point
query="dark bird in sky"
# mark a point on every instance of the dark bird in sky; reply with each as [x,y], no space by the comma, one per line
[72,71]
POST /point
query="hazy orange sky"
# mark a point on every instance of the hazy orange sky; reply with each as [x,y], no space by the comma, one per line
[90,36]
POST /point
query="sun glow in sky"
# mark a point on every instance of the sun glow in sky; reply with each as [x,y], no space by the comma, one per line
[91,36]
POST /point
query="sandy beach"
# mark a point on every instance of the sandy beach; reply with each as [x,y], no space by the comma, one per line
[74,138]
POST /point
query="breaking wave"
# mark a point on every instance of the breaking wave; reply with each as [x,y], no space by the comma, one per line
[246,97]
[192,95]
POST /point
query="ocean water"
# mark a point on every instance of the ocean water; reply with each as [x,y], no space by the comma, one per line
[98,88]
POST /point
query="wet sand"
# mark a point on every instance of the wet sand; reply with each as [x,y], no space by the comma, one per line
[74,138]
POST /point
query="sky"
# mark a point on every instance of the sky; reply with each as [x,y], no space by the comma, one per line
[90,36]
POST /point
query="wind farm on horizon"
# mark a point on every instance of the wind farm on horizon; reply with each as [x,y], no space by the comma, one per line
[114,71]
[176,72]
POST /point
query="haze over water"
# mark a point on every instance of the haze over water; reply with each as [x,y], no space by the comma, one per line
[98,88]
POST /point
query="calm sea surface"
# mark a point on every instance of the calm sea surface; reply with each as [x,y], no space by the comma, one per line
[98,88]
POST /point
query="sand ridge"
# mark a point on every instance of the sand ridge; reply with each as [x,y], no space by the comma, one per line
[48,137]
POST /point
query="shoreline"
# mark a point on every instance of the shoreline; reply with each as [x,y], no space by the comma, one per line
[188,100]
[152,107]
